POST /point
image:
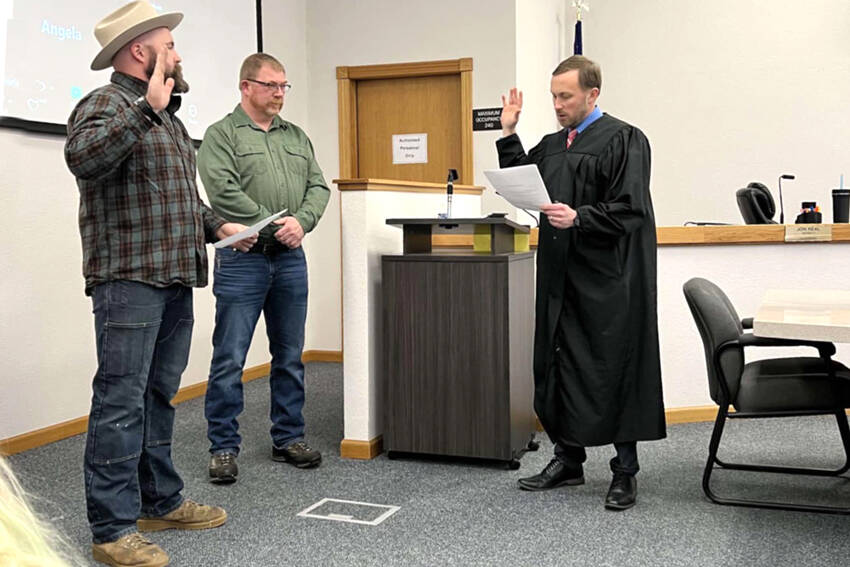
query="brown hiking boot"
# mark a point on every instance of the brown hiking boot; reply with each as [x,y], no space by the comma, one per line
[189,516]
[132,550]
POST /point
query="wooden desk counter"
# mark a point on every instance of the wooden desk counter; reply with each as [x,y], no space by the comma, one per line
[690,235]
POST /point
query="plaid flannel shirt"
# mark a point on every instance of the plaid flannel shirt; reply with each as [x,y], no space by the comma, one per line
[141,217]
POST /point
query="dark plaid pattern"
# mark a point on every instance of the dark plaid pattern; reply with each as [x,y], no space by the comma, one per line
[141,217]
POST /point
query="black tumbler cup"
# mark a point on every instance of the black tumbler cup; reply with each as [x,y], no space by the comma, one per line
[840,205]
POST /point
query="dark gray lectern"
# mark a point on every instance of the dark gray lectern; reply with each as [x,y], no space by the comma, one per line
[457,353]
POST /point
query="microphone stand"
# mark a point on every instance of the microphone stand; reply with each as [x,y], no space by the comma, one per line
[450,188]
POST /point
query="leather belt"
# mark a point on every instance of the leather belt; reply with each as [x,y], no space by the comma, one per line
[268,248]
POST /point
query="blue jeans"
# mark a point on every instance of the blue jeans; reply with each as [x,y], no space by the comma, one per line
[142,335]
[244,285]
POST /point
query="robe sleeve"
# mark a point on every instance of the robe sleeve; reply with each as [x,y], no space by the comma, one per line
[512,154]
[624,168]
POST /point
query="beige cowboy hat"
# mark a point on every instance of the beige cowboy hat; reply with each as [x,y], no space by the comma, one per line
[126,23]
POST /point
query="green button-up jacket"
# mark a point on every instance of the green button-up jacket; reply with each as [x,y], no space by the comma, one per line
[249,173]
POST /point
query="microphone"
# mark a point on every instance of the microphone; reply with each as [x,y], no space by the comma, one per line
[781,207]
[450,188]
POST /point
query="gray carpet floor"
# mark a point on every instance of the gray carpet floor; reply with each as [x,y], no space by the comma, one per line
[455,513]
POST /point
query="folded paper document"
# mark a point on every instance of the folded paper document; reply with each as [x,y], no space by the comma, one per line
[250,231]
[522,186]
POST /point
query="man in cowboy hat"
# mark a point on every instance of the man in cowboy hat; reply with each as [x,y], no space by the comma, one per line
[143,228]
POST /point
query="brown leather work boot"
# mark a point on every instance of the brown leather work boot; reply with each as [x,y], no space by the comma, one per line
[132,550]
[189,516]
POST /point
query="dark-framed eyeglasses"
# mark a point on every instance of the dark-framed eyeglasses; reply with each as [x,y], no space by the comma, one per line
[272,87]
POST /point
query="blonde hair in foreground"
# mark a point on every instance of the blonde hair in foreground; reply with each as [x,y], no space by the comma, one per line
[26,540]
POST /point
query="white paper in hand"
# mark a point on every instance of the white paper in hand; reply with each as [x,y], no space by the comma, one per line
[522,186]
[250,231]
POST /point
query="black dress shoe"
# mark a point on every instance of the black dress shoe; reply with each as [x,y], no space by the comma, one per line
[299,454]
[554,475]
[623,492]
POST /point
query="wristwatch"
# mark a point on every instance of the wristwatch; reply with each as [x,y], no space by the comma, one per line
[577,221]
[147,110]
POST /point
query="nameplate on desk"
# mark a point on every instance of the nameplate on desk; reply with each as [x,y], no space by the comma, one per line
[808,233]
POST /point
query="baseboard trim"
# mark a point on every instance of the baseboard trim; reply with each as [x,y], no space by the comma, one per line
[59,431]
[348,448]
[322,356]
[691,414]
[364,450]
[39,437]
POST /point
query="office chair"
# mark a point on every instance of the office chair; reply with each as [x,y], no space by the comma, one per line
[777,387]
[756,204]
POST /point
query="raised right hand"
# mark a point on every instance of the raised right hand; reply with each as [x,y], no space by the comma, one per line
[511,108]
[159,88]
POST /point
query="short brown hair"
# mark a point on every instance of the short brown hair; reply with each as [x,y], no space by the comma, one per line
[253,63]
[589,73]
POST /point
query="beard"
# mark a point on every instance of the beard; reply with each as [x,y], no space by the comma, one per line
[180,84]
[274,107]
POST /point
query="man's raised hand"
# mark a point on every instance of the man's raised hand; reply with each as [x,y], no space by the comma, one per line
[511,108]
[159,88]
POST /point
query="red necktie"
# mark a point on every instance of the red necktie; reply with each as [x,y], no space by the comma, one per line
[571,136]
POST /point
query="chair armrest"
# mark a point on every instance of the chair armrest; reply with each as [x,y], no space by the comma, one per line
[747,323]
[825,349]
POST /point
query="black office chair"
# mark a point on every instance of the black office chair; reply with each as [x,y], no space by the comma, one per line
[756,204]
[777,387]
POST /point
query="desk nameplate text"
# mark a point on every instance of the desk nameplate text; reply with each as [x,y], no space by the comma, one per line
[808,233]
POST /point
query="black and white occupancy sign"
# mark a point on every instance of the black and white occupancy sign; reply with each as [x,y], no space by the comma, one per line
[486,118]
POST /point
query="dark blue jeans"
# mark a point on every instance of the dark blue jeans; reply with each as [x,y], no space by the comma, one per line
[245,285]
[142,335]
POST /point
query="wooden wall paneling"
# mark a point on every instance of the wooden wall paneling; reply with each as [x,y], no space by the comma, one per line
[410,105]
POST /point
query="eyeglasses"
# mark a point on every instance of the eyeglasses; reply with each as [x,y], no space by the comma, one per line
[273,87]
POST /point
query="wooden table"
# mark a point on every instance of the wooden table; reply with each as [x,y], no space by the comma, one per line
[808,314]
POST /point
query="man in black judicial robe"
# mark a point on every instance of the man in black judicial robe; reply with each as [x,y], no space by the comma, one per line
[597,371]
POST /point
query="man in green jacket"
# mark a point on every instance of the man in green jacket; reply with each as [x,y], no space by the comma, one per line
[254,164]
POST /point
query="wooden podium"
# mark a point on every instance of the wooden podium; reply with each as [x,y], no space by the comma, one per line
[457,355]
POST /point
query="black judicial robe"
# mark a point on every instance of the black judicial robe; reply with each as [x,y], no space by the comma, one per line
[597,370]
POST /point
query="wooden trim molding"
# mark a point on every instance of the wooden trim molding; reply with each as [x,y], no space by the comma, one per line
[347,116]
[686,235]
[59,431]
[692,414]
[321,356]
[39,437]
[467,173]
[735,234]
[394,70]
[364,450]
[404,186]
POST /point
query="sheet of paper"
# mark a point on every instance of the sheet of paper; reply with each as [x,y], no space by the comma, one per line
[251,230]
[522,186]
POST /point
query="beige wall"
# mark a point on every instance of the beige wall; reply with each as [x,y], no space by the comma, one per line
[728,92]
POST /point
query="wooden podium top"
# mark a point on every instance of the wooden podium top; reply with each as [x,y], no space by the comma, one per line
[462,223]
[404,186]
